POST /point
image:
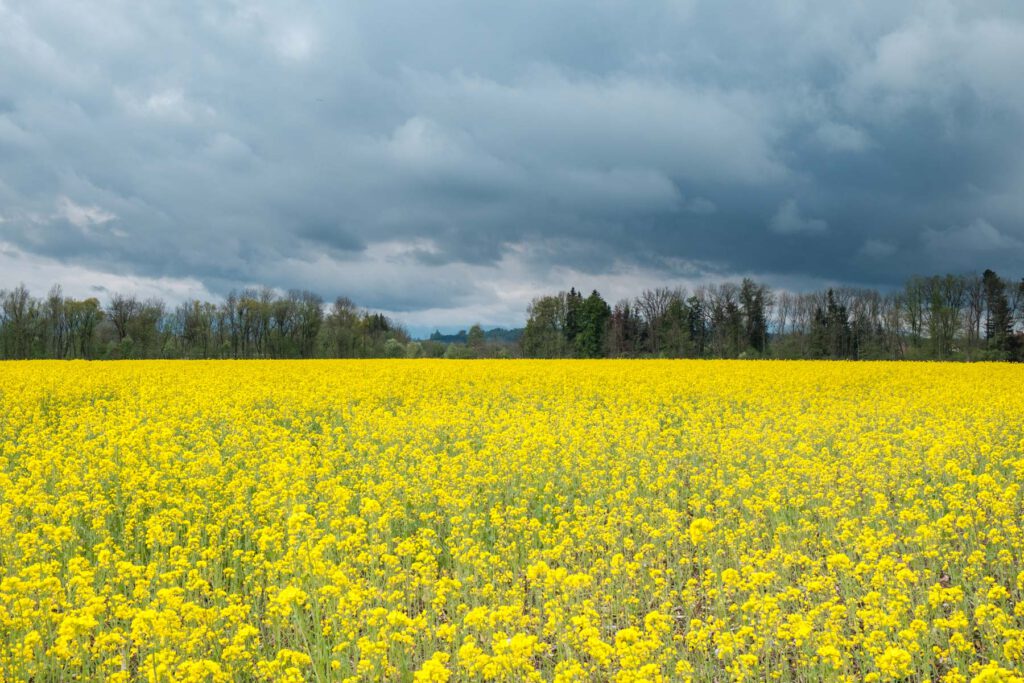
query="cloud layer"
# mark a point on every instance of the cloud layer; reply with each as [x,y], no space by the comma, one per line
[447,162]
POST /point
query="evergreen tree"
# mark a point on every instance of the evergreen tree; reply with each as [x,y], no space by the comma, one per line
[696,325]
[830,330]
[754,303]
[573,317]
[998,317]
[594,314]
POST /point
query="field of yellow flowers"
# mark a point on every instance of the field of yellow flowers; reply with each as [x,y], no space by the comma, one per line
[511,521]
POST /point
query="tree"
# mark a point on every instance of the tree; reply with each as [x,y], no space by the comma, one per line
[784,304]
[19,316]
[342,334]
[946,297]
[593,322]
[145,328]
[726,320]
[475,340]
[56,323]
[121,312]
[998,316]
[83,319]
[544,335]
[193,327]
[624,331]
[653,305]
[830,332]
[754,302]
[573,306]
[676,341]
[974,293]
[891,322]
[696,323]
[376,329]
[863,313]
[413,350]
[914,309]
[262,312]
[309,316]
[394,348]
[1017,302]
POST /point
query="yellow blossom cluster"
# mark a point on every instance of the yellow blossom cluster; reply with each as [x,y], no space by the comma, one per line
[511,521]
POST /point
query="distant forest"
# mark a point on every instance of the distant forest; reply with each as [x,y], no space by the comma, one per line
[947,317]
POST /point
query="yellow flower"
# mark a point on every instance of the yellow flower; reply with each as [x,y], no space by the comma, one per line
[894,663]
[699,529]
[434,669]
[510,521]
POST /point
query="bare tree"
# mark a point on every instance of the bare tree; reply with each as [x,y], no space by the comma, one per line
[653,305]
[121,312]
[18,313]
[974,294]
[892,324]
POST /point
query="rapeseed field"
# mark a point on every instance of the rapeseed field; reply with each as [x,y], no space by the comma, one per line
[511,521]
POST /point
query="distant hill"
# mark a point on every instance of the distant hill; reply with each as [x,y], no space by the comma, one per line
[497,334]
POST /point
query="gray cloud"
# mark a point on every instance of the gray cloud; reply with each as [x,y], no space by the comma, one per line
[979,240]
[839,137]
[789,220]
[448,162]
[877,249]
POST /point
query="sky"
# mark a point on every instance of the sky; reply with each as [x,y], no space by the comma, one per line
[446,162]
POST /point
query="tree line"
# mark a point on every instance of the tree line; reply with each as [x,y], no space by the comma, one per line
[247,324]
[945,317]
[942,317]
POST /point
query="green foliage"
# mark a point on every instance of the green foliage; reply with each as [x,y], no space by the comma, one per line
[475,339]
[458,352]
[593,314]
[544,336]
[413,350]
[394,348]
[950,317]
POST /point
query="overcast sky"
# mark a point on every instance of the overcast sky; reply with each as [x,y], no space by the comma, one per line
[447,161]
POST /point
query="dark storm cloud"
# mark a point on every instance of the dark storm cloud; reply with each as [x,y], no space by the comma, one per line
[449,161]
[330,236]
